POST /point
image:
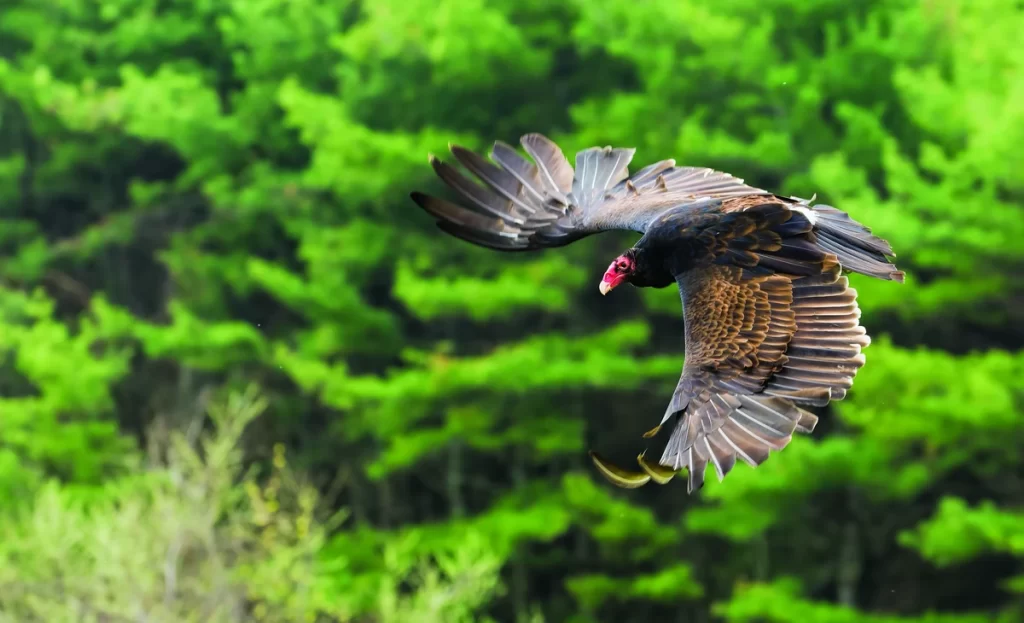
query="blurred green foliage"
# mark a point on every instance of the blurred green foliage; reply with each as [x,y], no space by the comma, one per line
[196,537]
[202,196]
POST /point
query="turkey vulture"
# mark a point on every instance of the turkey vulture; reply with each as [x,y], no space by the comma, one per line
[771,325]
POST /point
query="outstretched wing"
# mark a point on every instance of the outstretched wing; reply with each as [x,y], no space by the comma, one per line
[760,346]
[638,201]
[523,205]
[758,351]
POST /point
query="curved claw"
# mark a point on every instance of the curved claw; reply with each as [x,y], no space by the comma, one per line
[658,473]
[652,432]
[618,476]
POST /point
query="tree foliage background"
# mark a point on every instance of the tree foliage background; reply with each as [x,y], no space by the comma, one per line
[243,378]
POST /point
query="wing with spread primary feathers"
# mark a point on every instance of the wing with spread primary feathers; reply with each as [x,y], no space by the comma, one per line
[772,326]
[761,346]
[521,205]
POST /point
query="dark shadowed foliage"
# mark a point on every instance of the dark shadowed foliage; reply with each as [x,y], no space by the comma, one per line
[243,377]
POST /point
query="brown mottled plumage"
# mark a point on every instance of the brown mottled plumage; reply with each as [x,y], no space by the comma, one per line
[771,323]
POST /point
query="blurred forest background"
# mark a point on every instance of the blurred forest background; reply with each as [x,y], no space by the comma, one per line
[244,378]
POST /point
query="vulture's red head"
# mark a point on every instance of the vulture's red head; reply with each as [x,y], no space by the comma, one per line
[618,272]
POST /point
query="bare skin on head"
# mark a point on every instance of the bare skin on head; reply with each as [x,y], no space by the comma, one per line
[618,272]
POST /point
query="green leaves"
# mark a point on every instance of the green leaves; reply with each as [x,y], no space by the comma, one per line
[545,284]
[959,532]
[199,192]
[779,602]
[466,42]
[670,585]
[197,534]
[349,158]
[57,405]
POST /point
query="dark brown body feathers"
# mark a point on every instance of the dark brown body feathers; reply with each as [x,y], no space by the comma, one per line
[772,327]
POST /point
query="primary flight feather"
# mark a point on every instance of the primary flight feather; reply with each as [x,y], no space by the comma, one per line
[771,324]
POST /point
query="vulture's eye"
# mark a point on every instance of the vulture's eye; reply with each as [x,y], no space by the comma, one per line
[623,266]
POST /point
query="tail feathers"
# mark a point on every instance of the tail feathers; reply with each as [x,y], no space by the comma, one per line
[857,249]
[598,169]
[752,426]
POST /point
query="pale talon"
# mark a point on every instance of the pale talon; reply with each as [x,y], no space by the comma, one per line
[618,476]
[658,473]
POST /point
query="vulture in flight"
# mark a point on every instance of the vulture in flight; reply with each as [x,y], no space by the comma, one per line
[771,324]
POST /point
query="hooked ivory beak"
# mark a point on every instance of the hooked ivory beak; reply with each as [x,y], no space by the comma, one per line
[617,273]
[611,280]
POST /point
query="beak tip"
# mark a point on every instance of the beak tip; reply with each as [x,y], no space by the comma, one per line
[605,288]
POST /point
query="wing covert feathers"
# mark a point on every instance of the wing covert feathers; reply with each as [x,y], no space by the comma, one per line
[760,351]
